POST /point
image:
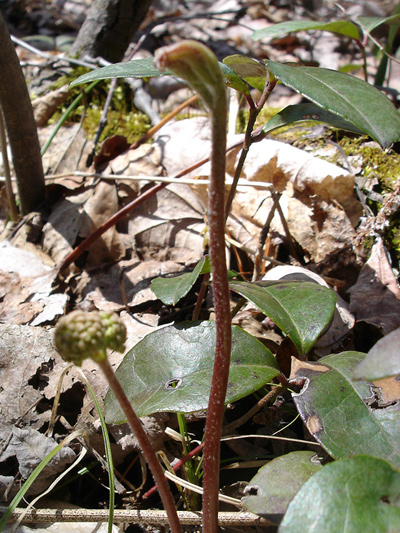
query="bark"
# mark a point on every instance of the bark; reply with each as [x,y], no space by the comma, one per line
[109,28]
[20,125]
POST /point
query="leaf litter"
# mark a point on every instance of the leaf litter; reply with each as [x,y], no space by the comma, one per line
[165,237]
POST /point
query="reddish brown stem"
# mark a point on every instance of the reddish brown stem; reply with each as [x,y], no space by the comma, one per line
[220,286]
[145,445]
[196,64]
[200,297]
[122,213]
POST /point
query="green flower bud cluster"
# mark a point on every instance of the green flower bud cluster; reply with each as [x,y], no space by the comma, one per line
[81,334]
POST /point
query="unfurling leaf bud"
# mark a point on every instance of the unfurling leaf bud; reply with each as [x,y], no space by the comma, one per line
[197,64]
[80,335]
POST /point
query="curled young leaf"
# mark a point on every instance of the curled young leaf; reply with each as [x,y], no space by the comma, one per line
[196,64]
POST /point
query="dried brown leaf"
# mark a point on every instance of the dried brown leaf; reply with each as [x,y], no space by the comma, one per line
[45,106]
[172,219]
[25,351]
[100,207]
[26,288]
[375,298]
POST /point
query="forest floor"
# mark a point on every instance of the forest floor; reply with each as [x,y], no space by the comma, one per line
[339,220]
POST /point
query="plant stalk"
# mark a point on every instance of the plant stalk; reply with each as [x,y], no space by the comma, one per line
[196,64]
[220,287]
[145,444]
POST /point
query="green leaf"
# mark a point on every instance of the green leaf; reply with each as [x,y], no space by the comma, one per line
[383,360]
[347,417]
[233,80]
[252,71]
[301,309]
[370,23]
[171,290]
[278,482]
[137,68]
[348,496]
[350,67]
[342,27]
[144,68]
[348,97]
[307,111]
[171,368]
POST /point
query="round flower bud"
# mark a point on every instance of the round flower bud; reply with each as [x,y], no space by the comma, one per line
[80,335]
[115,331]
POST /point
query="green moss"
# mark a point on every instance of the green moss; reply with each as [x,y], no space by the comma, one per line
[122,118]
[384,166]
[132,125]
[265,114]
[393,235]
[375,162]
[396,240]
[300,134]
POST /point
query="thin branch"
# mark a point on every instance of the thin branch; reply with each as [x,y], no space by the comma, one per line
[131,516]
[251,412]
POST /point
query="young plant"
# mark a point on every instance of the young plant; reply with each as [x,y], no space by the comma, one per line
[197,65]
[359,430]
[80,335]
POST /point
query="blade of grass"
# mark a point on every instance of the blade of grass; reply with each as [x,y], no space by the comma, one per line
[107,447]
[49,489]
[65,115]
